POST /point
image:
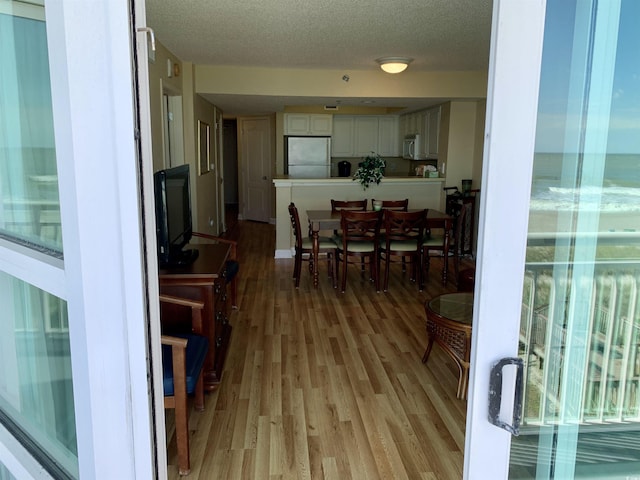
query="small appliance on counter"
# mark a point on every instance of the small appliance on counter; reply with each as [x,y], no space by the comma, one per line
[308,157]
[344,169]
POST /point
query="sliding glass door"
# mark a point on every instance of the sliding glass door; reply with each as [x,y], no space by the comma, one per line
[74,362]
[575,331]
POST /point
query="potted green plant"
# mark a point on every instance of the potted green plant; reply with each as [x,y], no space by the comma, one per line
[370,170]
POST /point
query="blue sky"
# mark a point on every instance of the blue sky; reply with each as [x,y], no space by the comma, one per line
[558,107]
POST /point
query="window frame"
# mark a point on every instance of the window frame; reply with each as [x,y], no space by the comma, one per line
[103,275]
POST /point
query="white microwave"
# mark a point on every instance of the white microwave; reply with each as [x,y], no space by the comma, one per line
[411,147]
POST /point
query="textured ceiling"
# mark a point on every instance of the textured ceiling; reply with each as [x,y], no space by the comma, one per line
[440,35]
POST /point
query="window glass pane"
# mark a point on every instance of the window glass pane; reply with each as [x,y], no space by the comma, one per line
[580,329]
[36,393]
[5,474]
[29,203]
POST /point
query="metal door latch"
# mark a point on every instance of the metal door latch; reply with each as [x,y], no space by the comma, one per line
[495,395]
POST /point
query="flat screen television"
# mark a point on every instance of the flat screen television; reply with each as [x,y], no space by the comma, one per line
[173,216]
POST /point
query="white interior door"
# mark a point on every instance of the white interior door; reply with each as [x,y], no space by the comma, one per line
[559,262]
[256,168]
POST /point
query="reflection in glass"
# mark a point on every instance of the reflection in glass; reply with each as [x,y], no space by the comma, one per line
[29,203]
[580,328]
[5,474]
[36,393]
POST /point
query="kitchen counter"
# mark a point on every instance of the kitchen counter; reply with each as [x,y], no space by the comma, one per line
[316,193]
[281,179]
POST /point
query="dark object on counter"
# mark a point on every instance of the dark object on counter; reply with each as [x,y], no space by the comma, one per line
[344,169]
[466,188]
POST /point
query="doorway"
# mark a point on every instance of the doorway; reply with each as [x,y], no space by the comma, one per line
[230,162]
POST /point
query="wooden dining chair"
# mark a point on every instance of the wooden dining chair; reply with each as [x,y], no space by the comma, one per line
[304,249]
[403,233]
[361,240]
[337,205]
[398,205]
[434,241]
[183,356]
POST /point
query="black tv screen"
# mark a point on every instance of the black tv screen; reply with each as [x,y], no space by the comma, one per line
[173,215]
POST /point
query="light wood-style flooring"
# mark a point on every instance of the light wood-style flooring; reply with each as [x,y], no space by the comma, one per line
[318,384]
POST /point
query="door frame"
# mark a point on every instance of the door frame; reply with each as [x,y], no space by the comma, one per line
[512,103]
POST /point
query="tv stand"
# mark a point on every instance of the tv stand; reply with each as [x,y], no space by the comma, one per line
[182,258]
[204,279]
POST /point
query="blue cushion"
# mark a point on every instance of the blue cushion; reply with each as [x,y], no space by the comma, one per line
[197,347]
[232,268]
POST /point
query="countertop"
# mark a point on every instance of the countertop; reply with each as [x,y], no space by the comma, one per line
[285,180]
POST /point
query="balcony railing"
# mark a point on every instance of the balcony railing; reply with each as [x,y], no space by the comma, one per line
[594,360]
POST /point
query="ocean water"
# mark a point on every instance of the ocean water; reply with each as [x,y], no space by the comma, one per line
[618,191]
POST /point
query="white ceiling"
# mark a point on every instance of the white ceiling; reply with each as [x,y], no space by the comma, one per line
[440,35]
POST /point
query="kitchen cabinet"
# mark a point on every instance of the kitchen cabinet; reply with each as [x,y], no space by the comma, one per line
[342,136]
[430,132]
[366,136]
[308,124]
[388,142]
[359,135]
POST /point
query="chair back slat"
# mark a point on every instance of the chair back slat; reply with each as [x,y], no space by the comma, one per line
[338,205]
[399,205]
[402,226]
[360,226]
[295,224]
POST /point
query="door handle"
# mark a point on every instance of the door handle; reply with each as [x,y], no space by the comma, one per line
[495,395]
[264,177]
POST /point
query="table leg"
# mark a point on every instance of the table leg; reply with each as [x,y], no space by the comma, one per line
[316,249]
[427,351]
[445,252]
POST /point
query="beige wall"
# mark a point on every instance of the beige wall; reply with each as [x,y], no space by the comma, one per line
[329,83]
[193,108]
[206,187]
[479,140]
[159,83]
[461,143]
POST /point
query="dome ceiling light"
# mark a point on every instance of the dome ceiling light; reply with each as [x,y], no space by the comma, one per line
[394,64]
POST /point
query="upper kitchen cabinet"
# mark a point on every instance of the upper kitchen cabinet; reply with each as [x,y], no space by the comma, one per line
[430,132]
[388,144]
[342,137]
[366,136]
[357,136]
[308,124]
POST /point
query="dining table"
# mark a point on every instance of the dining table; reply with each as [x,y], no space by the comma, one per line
[330,220]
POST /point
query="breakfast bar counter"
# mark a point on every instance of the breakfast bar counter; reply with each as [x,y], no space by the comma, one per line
[316,194]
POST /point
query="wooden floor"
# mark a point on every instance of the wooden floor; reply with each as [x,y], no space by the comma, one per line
[320,384]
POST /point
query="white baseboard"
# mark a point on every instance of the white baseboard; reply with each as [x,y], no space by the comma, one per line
[284,253]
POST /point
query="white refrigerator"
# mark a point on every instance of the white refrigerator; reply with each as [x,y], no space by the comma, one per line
[308,157]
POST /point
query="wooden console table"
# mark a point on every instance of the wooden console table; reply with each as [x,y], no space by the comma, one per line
[205,280]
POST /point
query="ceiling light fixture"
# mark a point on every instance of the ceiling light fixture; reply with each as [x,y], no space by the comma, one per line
[394,64]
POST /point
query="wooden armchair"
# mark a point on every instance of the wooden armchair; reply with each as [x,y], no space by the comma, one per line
[183,357]
[233,264]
